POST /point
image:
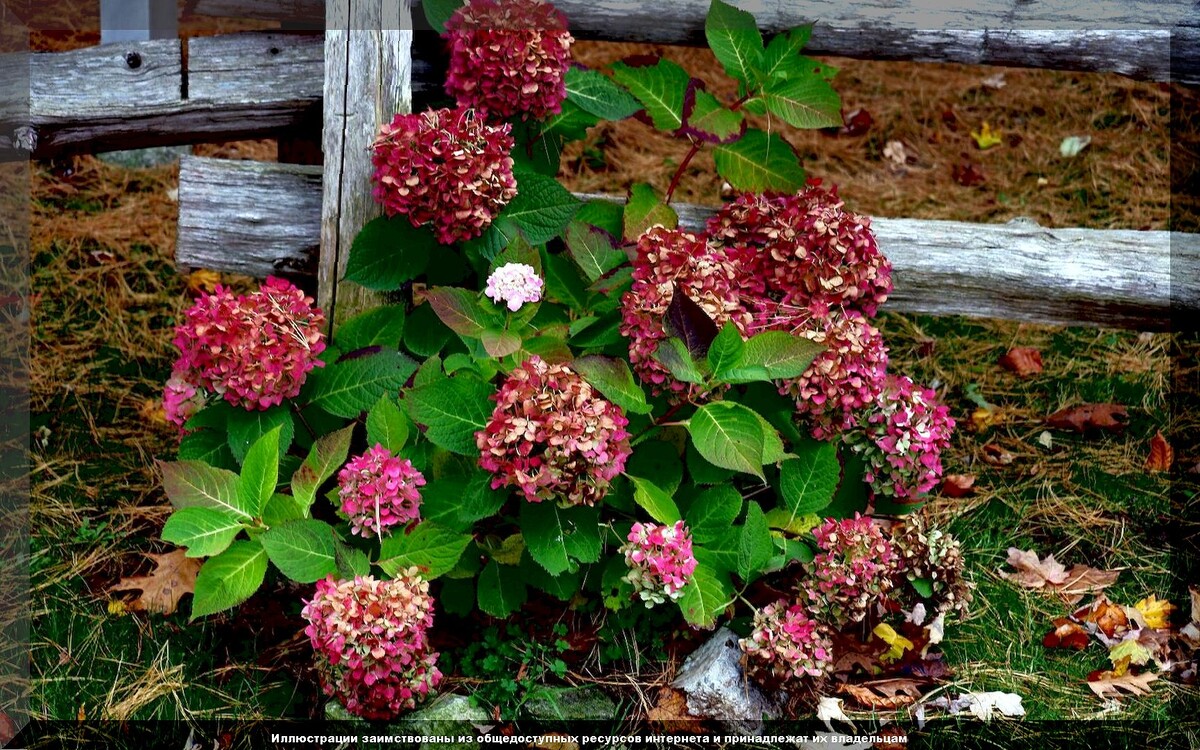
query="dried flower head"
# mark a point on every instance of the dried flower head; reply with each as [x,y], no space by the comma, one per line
[514,284]
[902,438]
[446,168]
[378,490]
[786,643]
[852,571]
[933,555]
[660,561]
[254,350]
[370,637]
[553,436]
[181,400]
[669,262]
[509,57]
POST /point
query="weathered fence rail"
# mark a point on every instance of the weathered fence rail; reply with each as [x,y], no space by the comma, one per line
[232,218]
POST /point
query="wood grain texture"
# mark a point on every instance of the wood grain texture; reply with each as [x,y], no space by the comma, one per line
[1132,38]
[368,79]
[1016,271]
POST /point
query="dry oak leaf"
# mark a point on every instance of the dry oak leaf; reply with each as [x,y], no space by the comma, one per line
[883,695]
[1025,361]
[1032,572]
[958,485]
[1156,611]
[1110,620]
[670,712]
[1161,454]
[1066,634]
[1084,417]
[1084,579]
[1109,685]
[173,576]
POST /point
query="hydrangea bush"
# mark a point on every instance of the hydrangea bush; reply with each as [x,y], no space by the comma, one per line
[579,397]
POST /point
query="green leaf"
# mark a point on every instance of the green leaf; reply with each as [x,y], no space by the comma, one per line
[644,210]
[452,410]
[705,597]
[593,249]
[804,102]
[787,552]
[735,40]
[710,121]
[328,453]
[673,354]
[851,496]
[660,88]
[780,354]
[654,500]
[713,512]
[922,586]
[519,251]
[207,446]
[191,484]
[230,578]
[204,531]
[797,525]
[303,550]
[604,214]
[783,53]
[726,349]
[598,94]
[380,326]
[754,544]
[563,586]
[730,436]
[431,547]
[388,252]
[807,482]
[563,283]
[246,427]
[501,589]
[438,12]
[657,461]
[614,380]
[759,162]
[556,537]
[702,472]
[500,344]
[260,473]
[282,508]
[351,561]
[460,310]
[426,335]
[542,207]
[352,386]
[387,425]
[773,451]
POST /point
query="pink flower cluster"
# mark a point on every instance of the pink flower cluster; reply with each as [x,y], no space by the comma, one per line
[673,262]
[660,560]
[447,168]
[509,57]
[255,350]
[854,567]
[371,642]
[902,439]
[378,491]
[551,435]
[787,643]
[514,284]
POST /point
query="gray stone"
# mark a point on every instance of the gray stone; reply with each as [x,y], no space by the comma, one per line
[447,715]
[143,158]
[716,686]
[569,704]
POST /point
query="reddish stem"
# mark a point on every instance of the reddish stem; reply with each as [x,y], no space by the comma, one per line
[691,154]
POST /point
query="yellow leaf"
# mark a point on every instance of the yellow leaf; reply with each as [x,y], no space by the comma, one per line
[1128,651]
[203,280]
[986,137]
[81,715]
[1156,611]
[117,608]
[899,644]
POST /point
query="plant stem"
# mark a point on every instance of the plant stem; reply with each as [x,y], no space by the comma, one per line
[695,149]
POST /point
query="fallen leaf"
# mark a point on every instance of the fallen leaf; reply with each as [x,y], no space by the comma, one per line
[997,455]
[894,152]
[1107,618]
[1032,572]
[829,709]
[1156,611]
[857,122]
[554,741]
[985,138]
[117,608]
[81,714]
[173,576]
[1084,579]
[891,738]
[986,705]
[986,417]
[1084,417]
[958,485]
[950,118]
[1073,144]
[883,695]
[1127,652]
[152,411]
[1046,439]
[1066,634]
[967,173]
[1025,361]
[1194,592]
[1107,684]
[670,711]
[202,281]
[1161,455]
[1042,182]
[995,81]
[897,644]
[8,728]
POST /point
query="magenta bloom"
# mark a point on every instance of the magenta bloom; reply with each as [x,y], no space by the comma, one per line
[670,261]
[786,643]
[902,439]
[514,284]
[255,350]
[660,561]
[181,400]
[552,436]
[508,57]
[378,491]
[446,168]
[370,638]
[853,569]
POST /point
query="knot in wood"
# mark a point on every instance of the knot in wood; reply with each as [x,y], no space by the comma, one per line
[133,60]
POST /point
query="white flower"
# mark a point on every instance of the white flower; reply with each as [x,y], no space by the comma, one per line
[514,284]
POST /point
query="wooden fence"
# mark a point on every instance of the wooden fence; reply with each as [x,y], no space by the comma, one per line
[260,218]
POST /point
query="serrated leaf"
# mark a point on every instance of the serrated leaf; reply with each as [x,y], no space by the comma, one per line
[713,512]
[452,409]
[673,354]
[598,94]
[784,520]
[754,544]
[644,210]
[380,326]
[351,562]
[438,12]
[782,58]
[303,550]
[328,453]
[204,531]
[614,380]
[207,446]
[735,40]
[806,101]
[689,322]
[192,484]
[387,252]
[593,249]
[352,386]
[281,508]
[660,88]
[501,589]
[730,436]
[500,344]
[923,586]
[807,483]
[246,427]
[542,207]
[726,349]
[780,354]
[260,473]
[709,120]
[557,537]
[702,472]
[654,500]
[563,282]
[387,425]
[230,578]
[432,548]
[759,162]
[704,597]
[851,495]
[425,334]
[658,461]
[460,311]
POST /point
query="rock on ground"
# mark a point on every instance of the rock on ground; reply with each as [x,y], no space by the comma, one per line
[717,687]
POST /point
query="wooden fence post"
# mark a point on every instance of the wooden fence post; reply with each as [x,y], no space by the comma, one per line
[368,79]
